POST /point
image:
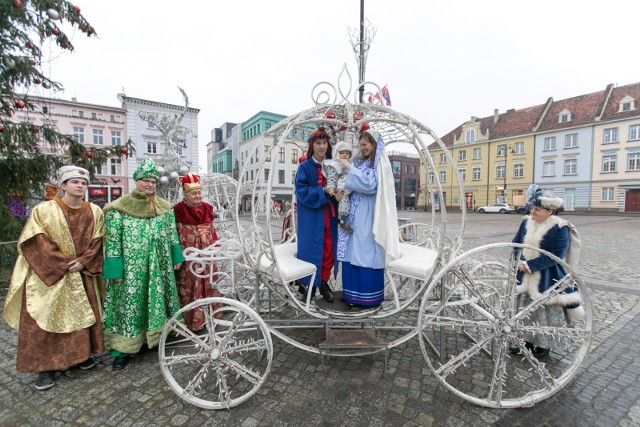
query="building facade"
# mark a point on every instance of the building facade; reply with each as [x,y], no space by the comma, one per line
[406,176]
[148,139]
[584,149]
[91,125]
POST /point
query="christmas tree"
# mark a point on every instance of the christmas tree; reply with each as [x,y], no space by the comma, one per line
[25,167]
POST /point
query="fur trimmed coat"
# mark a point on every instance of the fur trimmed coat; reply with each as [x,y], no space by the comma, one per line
[552,236]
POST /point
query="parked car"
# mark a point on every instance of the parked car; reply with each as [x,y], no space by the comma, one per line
[497,208]
[520,209]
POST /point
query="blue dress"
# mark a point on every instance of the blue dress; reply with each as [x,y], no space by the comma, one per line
[362,258]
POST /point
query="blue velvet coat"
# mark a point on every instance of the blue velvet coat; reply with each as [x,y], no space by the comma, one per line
[552,236]
[311,202]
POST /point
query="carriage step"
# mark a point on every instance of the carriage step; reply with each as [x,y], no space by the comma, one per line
[352,339]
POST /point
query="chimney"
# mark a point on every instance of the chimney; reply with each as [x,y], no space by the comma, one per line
[73,98]
[495,116]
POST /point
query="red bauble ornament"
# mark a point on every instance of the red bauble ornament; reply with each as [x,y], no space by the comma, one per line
[89,154]
[357,115]
[18,4]
[77,8]
[33,62]
[124,150]
[364,127]
[30,45]
[37,81]
[330,115]
[1,128]
[56,31]
[35,129]
[20,104]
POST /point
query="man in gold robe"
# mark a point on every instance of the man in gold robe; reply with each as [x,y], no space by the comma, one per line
[53,297]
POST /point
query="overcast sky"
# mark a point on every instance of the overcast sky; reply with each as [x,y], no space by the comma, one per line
[443,60]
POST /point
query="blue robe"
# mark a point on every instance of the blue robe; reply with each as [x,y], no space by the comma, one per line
[312,202]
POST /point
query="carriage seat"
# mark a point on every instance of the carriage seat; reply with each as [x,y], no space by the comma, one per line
[290,267]
[415,261]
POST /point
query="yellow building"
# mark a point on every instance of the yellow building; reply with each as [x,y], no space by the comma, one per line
[494,159]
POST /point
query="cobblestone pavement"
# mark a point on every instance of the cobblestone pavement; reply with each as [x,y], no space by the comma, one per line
[355,391]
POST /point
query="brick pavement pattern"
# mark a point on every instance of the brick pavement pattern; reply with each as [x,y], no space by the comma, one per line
[354,391]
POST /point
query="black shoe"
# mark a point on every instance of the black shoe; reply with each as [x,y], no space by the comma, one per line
[326,292]
[516,350]
[46,380]
[540,353]
[87,364]
[120,362]
[308,289]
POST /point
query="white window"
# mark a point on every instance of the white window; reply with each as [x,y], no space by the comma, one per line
[470,136]
[571,140]
[476,173]
[501,172]
[151,125]
[98,137]
[443,158]
[502,150]
[94,115]
[462,155]
[633,164]
[564,117]
[112,118]
[152,147]
[116,137]
[293,177]
[463,174]
[78,134]
[608,194]
[610,136]
[634,132]
[549,168]
[101,169]
[570,166]
[267,153]
[477,153]
[550,143]
[518,147]
[432,177]
[80,113]
[609,163]
[518,170]
[116,167]
[74,113]
[281,176]
[627,104]
[281,156]
[443,176]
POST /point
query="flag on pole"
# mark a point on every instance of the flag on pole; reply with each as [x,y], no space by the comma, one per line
[386,96]
[370,99]
[378,98]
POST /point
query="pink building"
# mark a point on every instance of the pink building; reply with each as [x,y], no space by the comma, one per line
[92,125]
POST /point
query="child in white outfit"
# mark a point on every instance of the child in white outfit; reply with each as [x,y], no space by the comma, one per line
[336,175]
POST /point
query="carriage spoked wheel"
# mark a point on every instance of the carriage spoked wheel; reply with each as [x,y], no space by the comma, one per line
[475,323]
[224,364]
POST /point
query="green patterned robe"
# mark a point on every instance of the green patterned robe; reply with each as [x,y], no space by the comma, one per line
[142,251]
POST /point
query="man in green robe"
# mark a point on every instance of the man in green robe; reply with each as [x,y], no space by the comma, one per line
[142,251]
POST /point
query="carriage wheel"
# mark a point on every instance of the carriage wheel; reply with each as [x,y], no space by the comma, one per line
[224,364]
[474,328]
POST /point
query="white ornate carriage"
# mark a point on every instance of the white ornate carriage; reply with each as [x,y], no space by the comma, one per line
[463,307]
